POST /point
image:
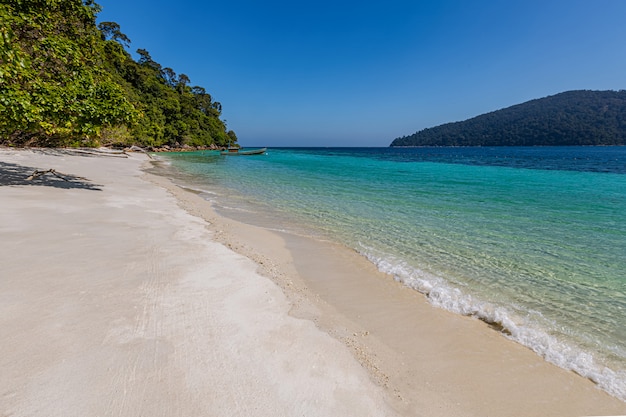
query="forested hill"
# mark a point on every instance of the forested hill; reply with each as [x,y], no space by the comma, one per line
[570,118]
[67,81]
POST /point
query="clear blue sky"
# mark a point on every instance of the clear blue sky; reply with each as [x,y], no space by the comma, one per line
[361,73]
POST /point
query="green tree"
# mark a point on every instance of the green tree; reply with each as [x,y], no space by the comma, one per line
[53,87]
[111,30]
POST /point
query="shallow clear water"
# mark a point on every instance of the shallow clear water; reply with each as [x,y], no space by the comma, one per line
[532,240]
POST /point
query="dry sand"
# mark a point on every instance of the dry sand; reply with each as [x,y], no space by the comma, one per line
[126,295]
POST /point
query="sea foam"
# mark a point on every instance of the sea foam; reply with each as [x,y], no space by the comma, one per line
[510,321]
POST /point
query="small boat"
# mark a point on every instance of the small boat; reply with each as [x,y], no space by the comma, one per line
[240,151]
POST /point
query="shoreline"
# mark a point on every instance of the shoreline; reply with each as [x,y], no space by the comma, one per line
[158,313]
[343,292]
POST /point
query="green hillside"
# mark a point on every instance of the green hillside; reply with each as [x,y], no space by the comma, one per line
[66,81]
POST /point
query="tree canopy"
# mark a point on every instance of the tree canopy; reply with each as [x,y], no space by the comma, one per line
[65,81]
[580,117]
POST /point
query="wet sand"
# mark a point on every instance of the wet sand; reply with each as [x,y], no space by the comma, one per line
[128,295]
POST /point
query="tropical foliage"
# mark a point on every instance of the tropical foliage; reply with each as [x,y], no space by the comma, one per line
[570,118]
[65,81]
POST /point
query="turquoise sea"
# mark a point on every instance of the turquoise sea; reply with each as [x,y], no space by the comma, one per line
[530,240]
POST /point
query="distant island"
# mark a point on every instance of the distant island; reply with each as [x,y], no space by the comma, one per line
[579,117]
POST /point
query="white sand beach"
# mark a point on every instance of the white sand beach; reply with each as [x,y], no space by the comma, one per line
[122,294]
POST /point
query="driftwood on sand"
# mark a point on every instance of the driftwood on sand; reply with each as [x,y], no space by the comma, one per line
[138,149]
[39,173]
[106,152]
[87,152]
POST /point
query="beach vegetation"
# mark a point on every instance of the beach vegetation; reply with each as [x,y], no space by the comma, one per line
[65,81]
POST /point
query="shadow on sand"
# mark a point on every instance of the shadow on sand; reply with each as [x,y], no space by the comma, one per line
[14,174]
